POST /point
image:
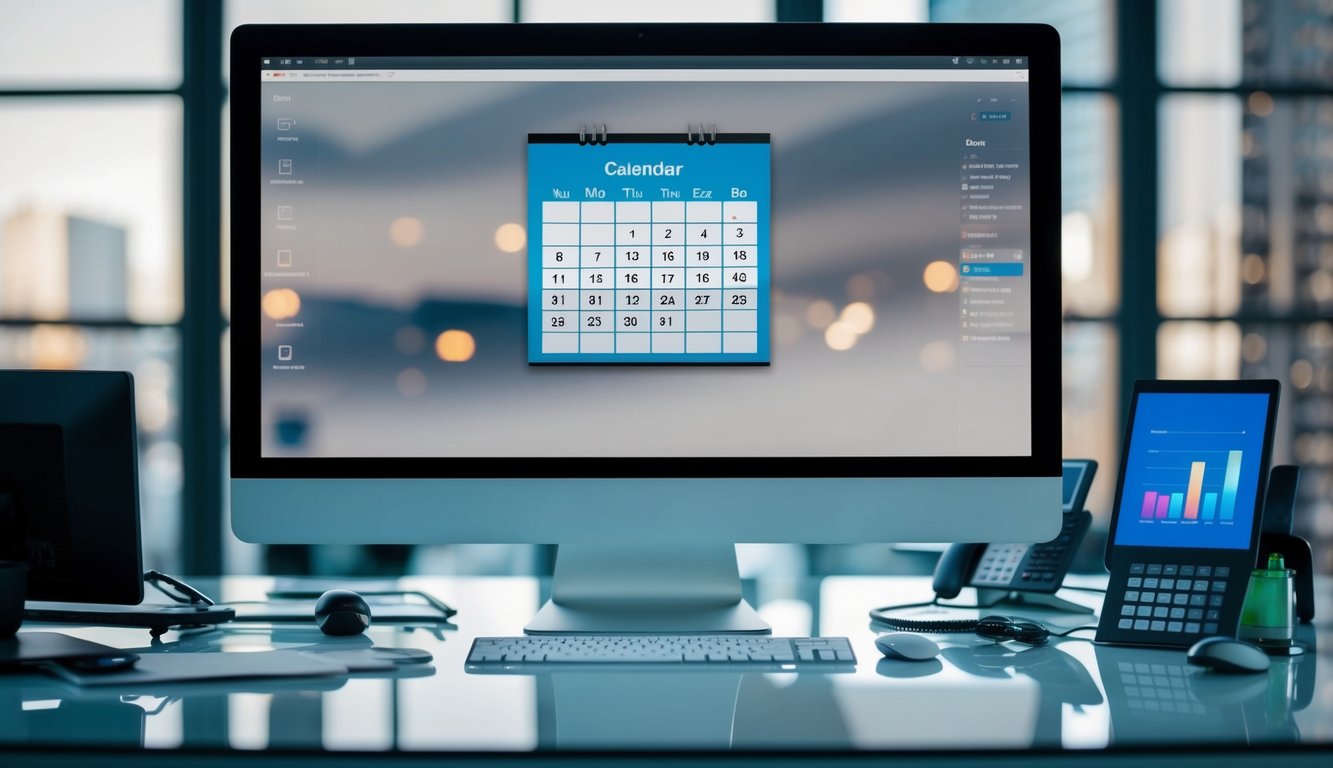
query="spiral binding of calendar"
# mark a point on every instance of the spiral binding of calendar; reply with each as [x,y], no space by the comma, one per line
[707,134]
[592,134]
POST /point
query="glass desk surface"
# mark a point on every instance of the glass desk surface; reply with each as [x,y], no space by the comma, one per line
[1070,695]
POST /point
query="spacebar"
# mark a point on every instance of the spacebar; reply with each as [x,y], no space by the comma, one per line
[628,658]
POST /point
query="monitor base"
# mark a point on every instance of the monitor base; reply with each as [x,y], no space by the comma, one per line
[1003,597]
[646,589]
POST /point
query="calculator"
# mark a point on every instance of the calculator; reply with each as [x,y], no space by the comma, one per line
[1185,525]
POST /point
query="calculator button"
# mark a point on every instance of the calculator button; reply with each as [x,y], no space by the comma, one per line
[1186,570]
[1222,571]
[1159,613]
[1126,610]
[1198,601]
[1192,627]
[1159,626]
[1194,614]
[1204,571]
[1168,583]
[1148,597]
[1136,569]
[1177,613]
[1170,570]
[1150,583]
[1145,611]
[1134,582]
[1201,585]
[1125,624]
[1219,586]
[1211,616]
[1163,598]
[1180,598]
[1215,601]
[1210,629]
[1154,570]
[1131,596]
[1173,626]
[1140,624]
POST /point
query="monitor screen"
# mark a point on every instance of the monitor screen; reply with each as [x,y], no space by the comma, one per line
[674,256]
[1192,470]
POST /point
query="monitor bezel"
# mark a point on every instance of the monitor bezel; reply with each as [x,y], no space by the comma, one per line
[1270,387]
[1039,43]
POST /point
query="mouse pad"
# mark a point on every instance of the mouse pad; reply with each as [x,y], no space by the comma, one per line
[156,668]
[32,647]
[303,611]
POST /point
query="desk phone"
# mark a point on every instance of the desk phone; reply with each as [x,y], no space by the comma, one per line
[1024,567]
[1185,524]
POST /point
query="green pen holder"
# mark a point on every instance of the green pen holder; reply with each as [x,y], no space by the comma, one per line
[1268,616]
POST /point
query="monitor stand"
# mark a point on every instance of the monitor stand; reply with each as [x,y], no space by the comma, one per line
[646,588]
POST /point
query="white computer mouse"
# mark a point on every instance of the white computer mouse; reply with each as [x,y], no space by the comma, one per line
[907,646]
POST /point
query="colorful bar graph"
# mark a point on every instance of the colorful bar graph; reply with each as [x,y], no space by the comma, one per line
[1163,501]
[1209,505]
[1231,485]
[1195,489]
[1149,505]
[1177,505]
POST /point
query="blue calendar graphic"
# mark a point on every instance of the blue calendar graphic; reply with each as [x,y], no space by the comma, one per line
[648,249]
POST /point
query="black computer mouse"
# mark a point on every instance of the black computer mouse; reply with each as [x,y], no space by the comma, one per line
[906,646]
[1222,654]
[342,612]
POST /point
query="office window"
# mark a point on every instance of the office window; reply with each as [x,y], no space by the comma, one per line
[1242,91]
[1246,250]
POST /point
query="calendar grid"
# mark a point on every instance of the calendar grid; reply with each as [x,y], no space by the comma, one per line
[686,227]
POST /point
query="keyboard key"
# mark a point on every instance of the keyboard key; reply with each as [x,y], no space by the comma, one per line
[1222,571]
[1215,601]
[1186,570]
[1204,571]
[1177,613]
[1194,614]
[1148,597]
[1163,598]
[1173,626]
[1154,570]
[1201,585]
[1125,624]
[1131,596]
[1136,569]
[1192,627]
[1144,610]
[1212,616]
[1180,598]
[1210,629]
[1159,613]
[1140,624]
[1168,584]
[1219,586]
[1158,626]
[1134,582]
[1198,601]
[1126,610]
[1170,570]
[1150,583]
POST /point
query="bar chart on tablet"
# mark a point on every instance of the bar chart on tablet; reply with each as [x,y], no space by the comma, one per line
[1205,493]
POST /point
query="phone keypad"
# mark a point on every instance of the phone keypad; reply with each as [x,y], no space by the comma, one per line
[1166,597]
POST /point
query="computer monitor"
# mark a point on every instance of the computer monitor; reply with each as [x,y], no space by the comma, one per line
[644,292]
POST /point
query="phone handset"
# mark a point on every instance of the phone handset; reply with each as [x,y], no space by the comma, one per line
[954,569]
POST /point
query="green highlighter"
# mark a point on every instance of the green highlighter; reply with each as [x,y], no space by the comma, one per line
[1268,618]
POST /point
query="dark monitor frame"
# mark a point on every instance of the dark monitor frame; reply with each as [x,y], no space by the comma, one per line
[792,42]
[74,461]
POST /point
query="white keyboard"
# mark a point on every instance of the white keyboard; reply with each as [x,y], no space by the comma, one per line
[498,653]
